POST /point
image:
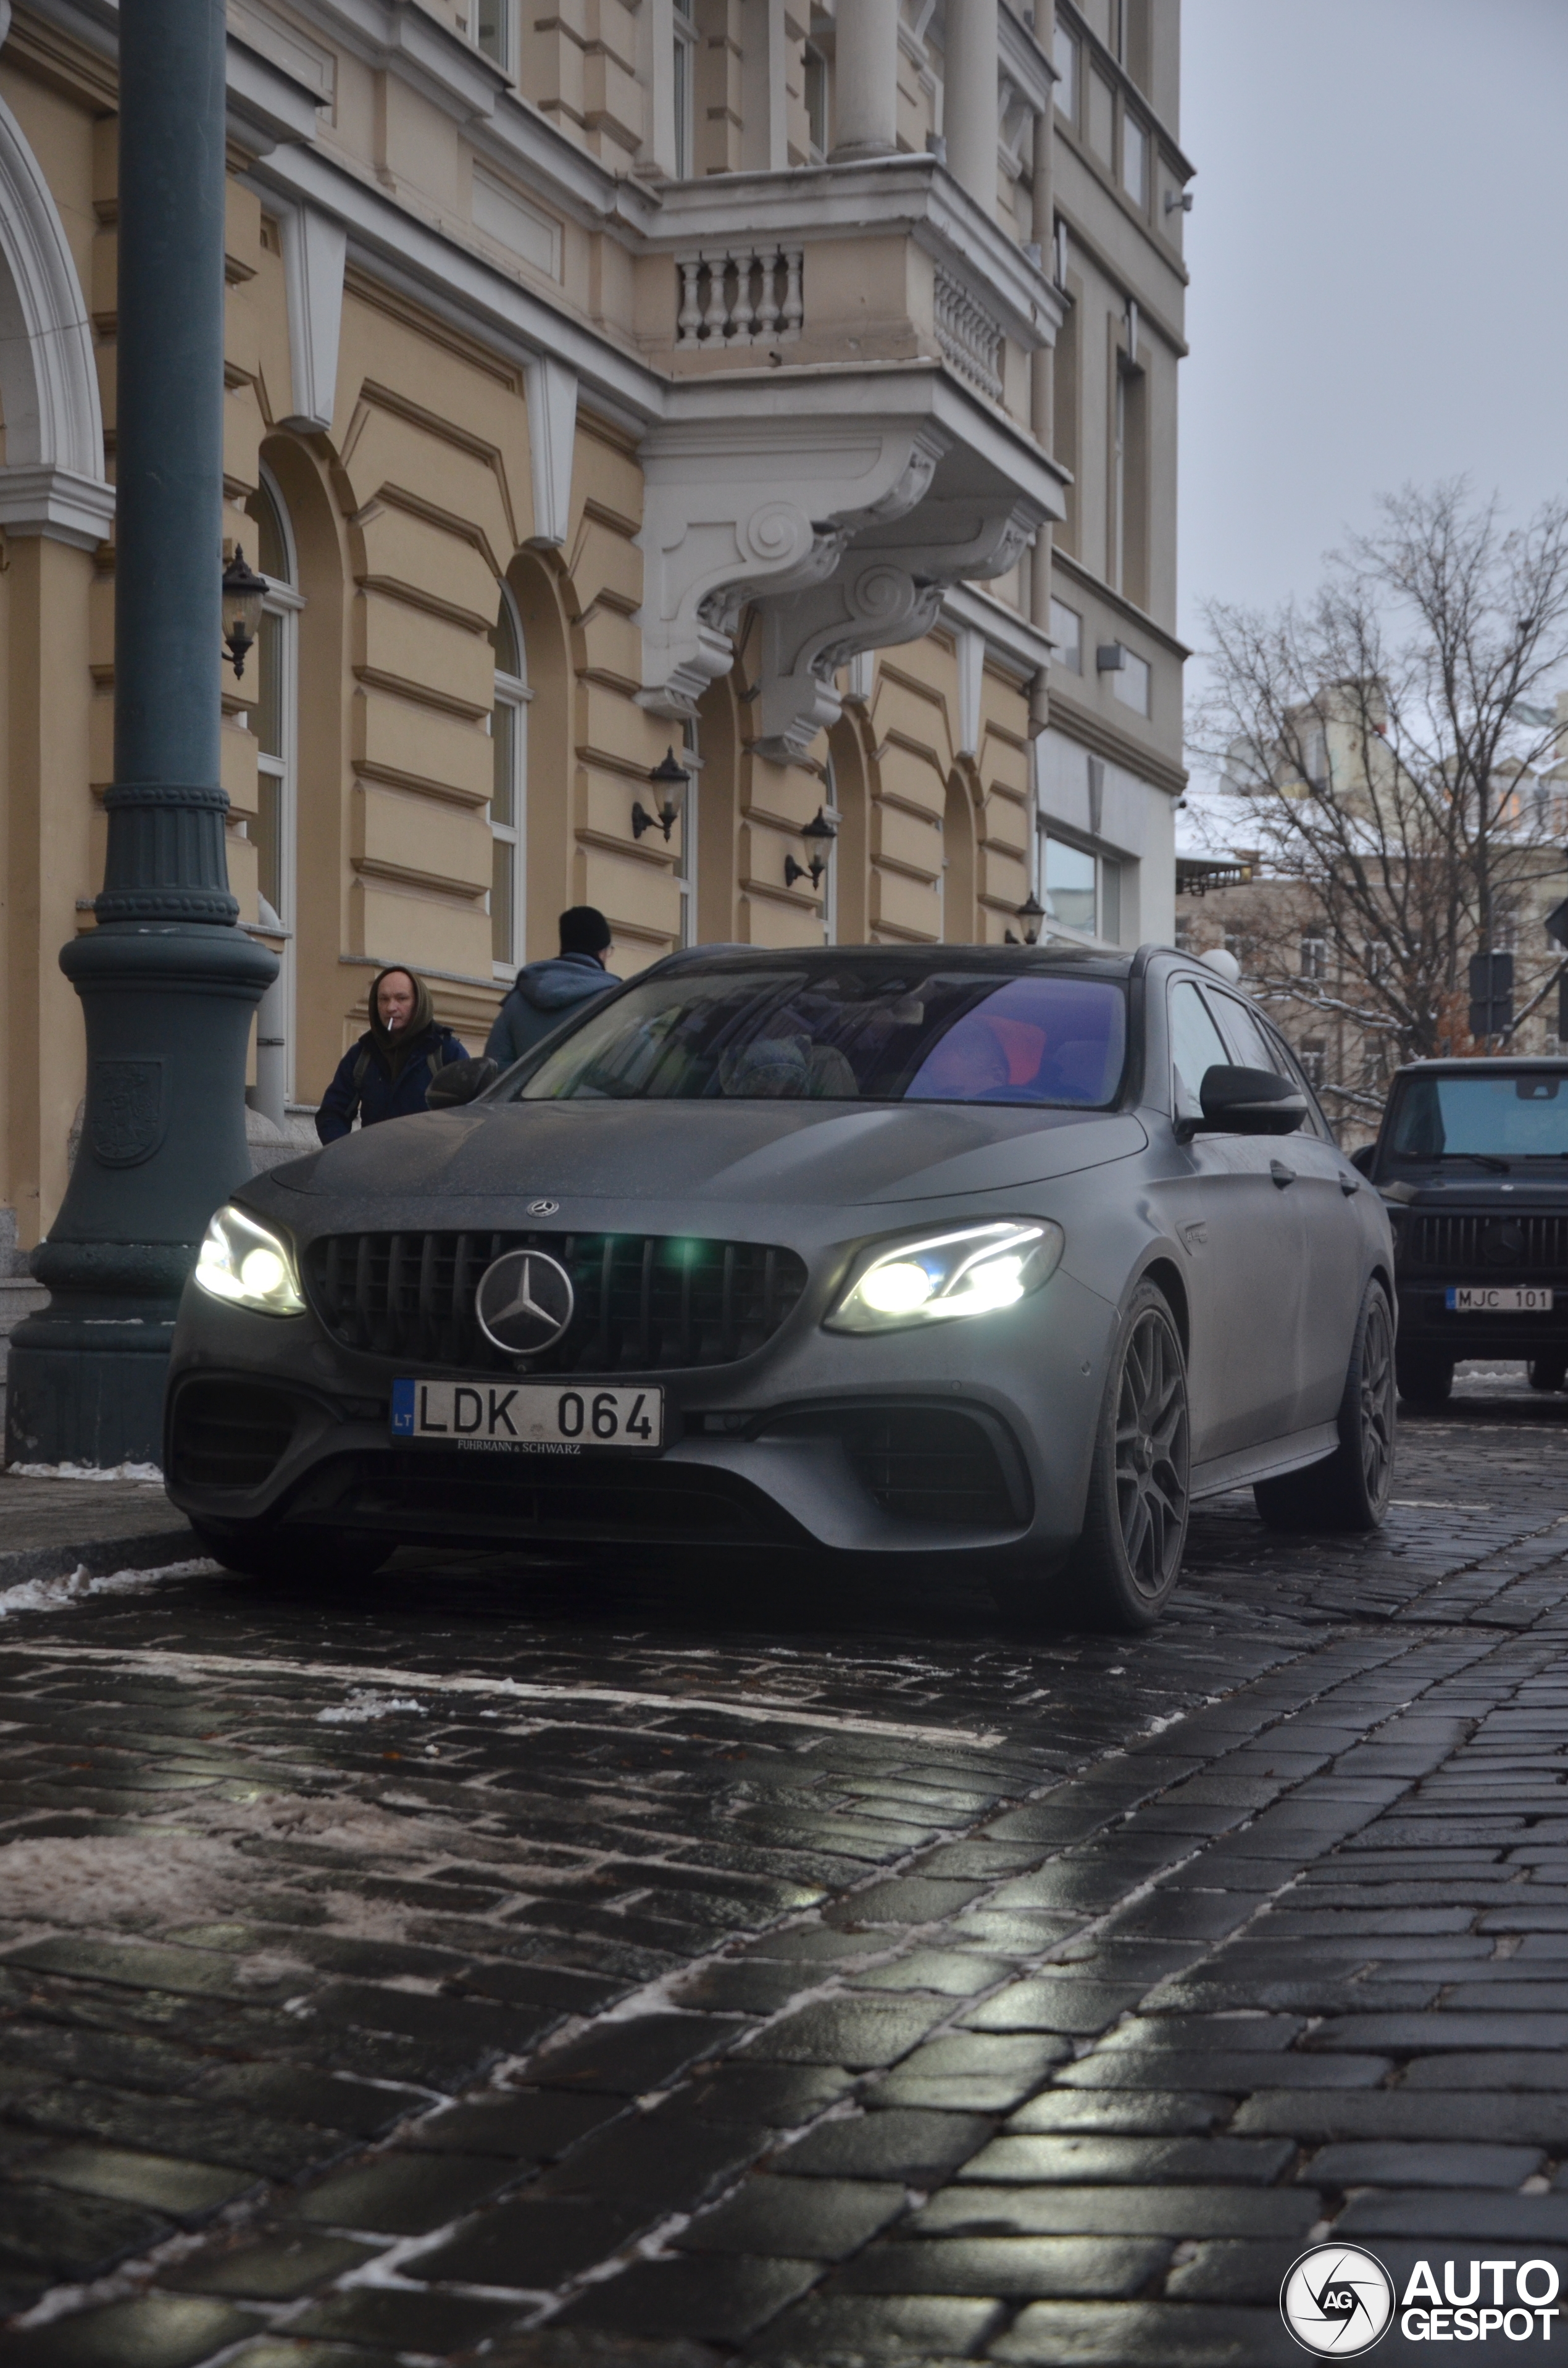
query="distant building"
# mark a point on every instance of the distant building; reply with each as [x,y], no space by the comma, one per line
[672,375]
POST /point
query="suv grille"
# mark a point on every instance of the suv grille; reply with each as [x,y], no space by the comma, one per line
[644,1303]
[1457,1245]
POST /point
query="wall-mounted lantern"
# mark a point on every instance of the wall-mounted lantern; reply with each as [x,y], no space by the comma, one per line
[669,778]
[821,834]
[244,592]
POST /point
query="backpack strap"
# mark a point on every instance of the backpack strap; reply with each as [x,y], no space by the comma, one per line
[360,1071]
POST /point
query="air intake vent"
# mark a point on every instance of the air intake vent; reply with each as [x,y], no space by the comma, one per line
[645,1302]
[229,1434]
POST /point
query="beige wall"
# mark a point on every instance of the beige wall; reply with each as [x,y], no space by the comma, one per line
[416,504]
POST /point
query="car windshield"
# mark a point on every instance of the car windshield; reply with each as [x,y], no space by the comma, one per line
[854,1035]
[1486,1118]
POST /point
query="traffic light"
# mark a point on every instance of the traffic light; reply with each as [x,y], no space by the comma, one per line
[1491,995]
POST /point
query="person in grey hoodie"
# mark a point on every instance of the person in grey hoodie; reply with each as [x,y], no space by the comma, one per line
[546,992]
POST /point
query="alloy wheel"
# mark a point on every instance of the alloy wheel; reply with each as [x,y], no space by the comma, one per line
[1152,1454]
[1378,1392]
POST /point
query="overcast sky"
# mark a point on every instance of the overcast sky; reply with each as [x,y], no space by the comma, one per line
[1379,249]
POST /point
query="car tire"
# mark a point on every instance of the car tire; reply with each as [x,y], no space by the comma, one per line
[1350,1489]
[1548,1372]
[1425,1377]
[1120,1574]
[260,1550]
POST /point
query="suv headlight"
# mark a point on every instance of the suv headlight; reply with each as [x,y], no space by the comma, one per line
[969,1270]
[242,1262]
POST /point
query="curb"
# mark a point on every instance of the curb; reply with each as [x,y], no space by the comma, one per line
[144,1550]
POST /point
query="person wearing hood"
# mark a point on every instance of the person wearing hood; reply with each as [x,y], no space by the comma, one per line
[546,992]
[388,1071]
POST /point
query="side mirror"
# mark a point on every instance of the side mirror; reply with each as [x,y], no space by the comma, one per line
[1363,1159]
[1249,1101]
[459,1082]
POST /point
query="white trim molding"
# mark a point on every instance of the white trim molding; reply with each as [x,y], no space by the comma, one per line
[316,246]
[53,482]
[553,434]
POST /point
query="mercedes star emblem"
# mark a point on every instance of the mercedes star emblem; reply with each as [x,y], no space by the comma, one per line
[524,1302]
[543,1208]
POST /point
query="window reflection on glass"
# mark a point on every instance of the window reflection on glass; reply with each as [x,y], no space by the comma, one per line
[1134,160]
[685,87]
[507,730]
[1065,58]
[685,835]
[1069,885]
[492,24]
[816,100]
[503,823]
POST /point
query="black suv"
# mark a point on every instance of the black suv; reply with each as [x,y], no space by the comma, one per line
[1472,1161]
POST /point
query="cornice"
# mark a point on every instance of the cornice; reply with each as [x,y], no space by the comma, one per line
[1138,618]
[1112,67]
[459,286]
[1093,731]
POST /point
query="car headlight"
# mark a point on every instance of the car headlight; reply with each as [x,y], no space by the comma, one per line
[970,1270]
[242,1262]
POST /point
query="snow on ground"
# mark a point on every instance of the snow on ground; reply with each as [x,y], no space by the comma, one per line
[56,1594]
[148,1474]
[363,1703]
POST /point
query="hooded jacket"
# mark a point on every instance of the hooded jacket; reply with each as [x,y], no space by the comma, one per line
[386,1075]
[545,994]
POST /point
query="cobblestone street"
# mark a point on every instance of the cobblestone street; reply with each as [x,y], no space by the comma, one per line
[460,1967]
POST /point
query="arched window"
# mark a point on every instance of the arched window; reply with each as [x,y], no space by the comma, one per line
[275,721]
[508,833]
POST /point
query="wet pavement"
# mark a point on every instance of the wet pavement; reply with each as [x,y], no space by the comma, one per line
[723,1965]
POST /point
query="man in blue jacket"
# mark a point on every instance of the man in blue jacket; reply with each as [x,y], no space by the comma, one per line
[546,992]
[388,1071]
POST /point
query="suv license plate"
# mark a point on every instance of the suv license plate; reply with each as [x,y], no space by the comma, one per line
[523,1415]
[1498,1299]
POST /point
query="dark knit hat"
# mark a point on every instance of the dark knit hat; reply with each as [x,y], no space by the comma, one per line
[584,930]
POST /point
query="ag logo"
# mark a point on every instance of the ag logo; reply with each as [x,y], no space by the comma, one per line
[524,1302]
[1337,2301]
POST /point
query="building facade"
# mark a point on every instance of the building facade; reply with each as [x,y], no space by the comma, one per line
[792,387]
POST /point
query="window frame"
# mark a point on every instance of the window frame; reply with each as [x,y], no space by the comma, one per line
[282,601]
[683,88]
[684,868]
[512,692]
[505,55]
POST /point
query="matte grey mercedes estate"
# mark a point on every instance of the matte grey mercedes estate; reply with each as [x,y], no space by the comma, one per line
[1005,1253]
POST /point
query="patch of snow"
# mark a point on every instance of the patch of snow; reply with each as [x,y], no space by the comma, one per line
[364,1702]
[97,1879]
[54,1594]
[149,1474]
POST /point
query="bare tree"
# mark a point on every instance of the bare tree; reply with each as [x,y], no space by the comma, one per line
[1388,737]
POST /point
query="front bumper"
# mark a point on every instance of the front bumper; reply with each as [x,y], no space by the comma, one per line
[1427,1324]
[973,1436]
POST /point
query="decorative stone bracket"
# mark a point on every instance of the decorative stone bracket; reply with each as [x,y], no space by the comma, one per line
[735,509]
[888,590]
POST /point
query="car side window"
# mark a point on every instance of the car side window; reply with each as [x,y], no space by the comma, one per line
[1252,1046]
[1197,1045]
[1286,1063]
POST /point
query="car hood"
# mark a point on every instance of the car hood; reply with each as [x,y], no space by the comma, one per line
[694,1152]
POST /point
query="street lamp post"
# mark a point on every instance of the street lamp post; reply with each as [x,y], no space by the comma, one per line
[167,980]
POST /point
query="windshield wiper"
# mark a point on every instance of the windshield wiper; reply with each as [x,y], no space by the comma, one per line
[1483,1159]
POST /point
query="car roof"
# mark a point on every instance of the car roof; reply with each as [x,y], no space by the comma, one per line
[1008,961]
[1488,1064]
